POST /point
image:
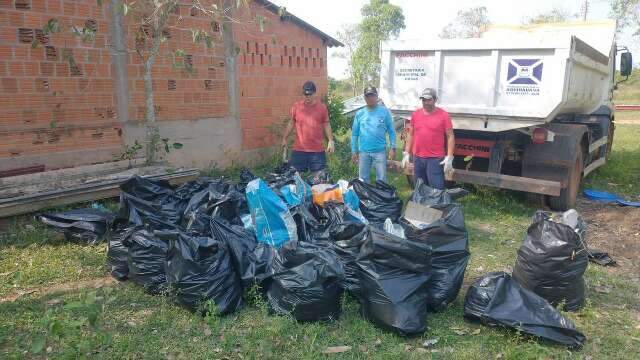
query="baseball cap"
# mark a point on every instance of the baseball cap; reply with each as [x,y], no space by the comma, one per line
[309,88]
[429,94]
[370,90]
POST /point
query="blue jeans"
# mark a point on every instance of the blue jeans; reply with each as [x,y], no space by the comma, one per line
[379,162]
[430,171]
[308,161]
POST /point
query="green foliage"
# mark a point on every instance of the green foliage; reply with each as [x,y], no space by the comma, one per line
[381,21]
[556,15]
[627,14]
[468,23]
[343,88]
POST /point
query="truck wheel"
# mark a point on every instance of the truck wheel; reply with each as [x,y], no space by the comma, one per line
[568,195]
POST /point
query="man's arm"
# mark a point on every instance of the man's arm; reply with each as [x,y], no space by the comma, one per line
[451,142]
[355,135]
[287,132]
[408,143]
[392,136]
[329,134]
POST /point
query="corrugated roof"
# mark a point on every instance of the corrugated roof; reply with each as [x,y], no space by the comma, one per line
[328,40]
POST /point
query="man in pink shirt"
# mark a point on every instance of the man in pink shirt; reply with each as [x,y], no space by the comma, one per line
[429,127]
[310,118]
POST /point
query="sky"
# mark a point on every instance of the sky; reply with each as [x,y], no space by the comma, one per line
[430,16]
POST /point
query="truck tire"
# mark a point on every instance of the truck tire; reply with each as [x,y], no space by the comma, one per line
[568,195]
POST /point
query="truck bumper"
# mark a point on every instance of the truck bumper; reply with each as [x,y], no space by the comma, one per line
[517,183]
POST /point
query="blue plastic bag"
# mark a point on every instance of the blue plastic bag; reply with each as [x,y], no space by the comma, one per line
[296,194]
[272,221]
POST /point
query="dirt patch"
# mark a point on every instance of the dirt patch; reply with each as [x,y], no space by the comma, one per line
[66,287]
[616,230]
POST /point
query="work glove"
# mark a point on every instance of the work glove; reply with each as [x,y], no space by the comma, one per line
[405,159]
[448,164]
[331,147]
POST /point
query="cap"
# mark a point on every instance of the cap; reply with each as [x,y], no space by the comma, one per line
[370,90]
[429,94]
[309,88]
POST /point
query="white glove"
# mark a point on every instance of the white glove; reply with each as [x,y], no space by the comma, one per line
[448,164]
[405,159]
[331,147]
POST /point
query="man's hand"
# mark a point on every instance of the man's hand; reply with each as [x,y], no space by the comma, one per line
[392,154]
[448,164]
[331,147]
[355,158]
[405,159]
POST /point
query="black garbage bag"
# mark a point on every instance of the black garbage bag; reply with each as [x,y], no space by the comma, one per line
[378,202]
[142,198]
[551,262]
[304,283]
[327,223]
[426,195]
[199,269]
[117,253]
[251,264]
[394,275]
[88,226]
[147,260]
[495,299]
[449,241]
[601,258]
[218,199]
[347,245]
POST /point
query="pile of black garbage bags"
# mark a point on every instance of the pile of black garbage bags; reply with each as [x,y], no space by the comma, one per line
[209,240]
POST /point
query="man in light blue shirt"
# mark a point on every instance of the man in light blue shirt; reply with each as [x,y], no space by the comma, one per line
[368,137]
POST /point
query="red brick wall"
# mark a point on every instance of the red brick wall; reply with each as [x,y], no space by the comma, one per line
[273,65]
[180,94]
[49,107]
[46,106]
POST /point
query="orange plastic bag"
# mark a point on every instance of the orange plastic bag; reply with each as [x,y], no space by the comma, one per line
[320,195]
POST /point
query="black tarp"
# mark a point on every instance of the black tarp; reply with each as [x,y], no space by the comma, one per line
[551,262]
[89,226]
[394,275]
[378,201]
[496,299]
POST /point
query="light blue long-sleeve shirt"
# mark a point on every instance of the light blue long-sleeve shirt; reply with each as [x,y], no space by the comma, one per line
[369,130]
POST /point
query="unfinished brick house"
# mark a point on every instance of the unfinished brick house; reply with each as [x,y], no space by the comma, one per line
[56,113]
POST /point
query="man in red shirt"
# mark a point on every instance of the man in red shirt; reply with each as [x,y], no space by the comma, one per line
[311,119]
[426,141]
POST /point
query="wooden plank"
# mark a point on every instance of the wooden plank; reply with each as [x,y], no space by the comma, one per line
[33,202]
[517,183]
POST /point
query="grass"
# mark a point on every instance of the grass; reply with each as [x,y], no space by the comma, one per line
[121,321]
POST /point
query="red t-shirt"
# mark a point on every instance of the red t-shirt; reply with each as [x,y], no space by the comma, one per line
[309,121]
[429,132]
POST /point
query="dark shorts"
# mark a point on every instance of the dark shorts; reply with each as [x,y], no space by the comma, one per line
[308,161]
[430,171]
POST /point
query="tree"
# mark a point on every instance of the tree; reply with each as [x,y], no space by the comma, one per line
[470,23]
[350,37]
[381,21]
[554,16]
[627,13]
[153,21]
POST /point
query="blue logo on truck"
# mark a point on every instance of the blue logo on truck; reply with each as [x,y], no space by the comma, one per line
[525,72]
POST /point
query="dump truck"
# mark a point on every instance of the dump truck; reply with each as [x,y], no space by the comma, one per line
[531,106]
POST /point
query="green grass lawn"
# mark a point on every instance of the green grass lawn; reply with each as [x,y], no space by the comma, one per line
[121,321]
